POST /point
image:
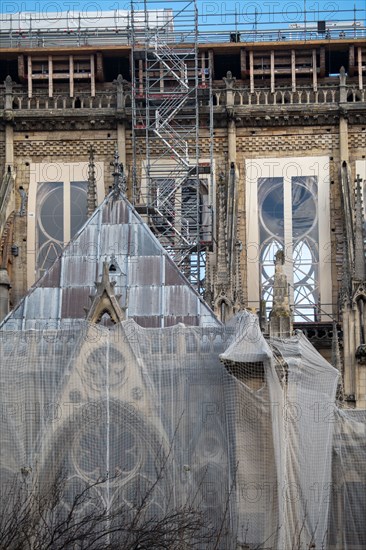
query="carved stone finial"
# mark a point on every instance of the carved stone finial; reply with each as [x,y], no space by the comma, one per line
[8,85]
[119,178]
[342,84]
[280,324]
[280,257]
[120,90]
[105,300]
[8,107]
[229,80]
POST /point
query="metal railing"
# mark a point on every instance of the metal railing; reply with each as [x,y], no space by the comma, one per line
[215,24]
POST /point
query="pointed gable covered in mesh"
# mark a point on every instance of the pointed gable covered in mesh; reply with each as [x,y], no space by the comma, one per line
[149,287]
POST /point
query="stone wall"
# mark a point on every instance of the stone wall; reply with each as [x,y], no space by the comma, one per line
[252,142]
[297,142]
[65,146]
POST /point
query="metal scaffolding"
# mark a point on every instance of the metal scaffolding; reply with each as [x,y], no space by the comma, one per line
[169,188]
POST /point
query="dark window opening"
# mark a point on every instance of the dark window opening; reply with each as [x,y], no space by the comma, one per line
[9,68]
[225,63]
[335,60]
[113,66]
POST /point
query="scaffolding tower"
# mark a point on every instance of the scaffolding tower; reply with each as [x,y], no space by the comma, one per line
[169,186]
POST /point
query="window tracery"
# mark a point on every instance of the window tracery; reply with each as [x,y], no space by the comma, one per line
[288,206]
[57,209]
[288,219]
[61,212]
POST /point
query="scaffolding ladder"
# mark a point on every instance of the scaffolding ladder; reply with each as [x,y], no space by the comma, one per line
[167,188]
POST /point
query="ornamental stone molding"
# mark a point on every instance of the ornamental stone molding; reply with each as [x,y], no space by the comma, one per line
[105,300]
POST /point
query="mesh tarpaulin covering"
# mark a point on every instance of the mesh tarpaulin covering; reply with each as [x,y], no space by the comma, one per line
[347,528]
[246,428]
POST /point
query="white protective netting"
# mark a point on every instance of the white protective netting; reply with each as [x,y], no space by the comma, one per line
[244,431]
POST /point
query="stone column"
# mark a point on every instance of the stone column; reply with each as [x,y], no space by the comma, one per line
[121,125]
[343,122]
[9,116]
[121,142]
[231,128]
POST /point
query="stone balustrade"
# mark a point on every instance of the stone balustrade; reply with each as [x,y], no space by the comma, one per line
[61,101]
[242,97]
[15,97]
[285,96]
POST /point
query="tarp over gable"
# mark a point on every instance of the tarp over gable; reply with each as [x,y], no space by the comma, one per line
[152,290]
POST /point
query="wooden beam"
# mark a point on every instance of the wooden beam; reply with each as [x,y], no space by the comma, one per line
[21,68]
[161,76]
[71,75]
[100,68]
[50,76]
[243,63]
[92,75]
[322,62]
[293,70]
[315,72]
[211,64]
[351,60]
[360,75]
[30,90]
[251,68]
[272,71]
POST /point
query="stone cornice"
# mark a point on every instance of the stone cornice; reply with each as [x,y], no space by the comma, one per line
[64,119]
[243,115]
[291,115]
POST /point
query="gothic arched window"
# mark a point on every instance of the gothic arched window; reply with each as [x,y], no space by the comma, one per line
[284,200]
[57,209]
[61,212]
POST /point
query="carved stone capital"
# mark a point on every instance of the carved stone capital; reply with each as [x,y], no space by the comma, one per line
[8,115]
[361,354]
[343,112]
[231,114]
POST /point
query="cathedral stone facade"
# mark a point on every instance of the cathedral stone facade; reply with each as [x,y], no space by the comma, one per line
[282,127]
